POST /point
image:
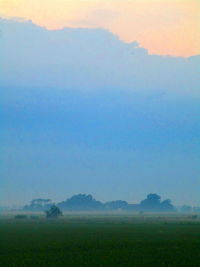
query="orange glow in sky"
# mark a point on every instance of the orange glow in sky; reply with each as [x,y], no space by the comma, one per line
[168,27]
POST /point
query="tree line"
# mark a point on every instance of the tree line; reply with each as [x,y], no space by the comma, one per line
[83,202]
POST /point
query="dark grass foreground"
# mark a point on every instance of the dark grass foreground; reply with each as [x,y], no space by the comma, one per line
[99,242]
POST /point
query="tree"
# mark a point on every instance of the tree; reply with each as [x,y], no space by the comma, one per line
[81,202]
[116,205]
[38,204]
[151,203]
[166,205]
[54,212]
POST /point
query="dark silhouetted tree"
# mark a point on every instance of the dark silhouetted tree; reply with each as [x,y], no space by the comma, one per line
[151,203]
[81,202]
[54,212]
[166,205]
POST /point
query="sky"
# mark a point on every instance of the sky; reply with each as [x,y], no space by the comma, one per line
[85,111]
[166,27]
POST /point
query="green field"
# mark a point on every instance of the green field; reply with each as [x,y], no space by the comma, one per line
[100,240]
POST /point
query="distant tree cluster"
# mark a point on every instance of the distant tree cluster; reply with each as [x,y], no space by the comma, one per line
[39,204]
[153,203]
[188,209]
[83,202]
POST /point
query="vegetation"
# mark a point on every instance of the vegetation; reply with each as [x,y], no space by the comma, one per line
[83,202]
[101,241]
[54,212]
[153,203]
[39,204]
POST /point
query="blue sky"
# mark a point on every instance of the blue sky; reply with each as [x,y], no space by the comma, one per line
[86,112]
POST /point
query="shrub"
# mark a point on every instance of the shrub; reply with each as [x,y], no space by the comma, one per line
[54,212]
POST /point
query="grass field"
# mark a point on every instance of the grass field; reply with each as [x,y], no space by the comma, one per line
[100,240]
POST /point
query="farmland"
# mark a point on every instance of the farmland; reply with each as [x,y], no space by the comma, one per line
[100,240]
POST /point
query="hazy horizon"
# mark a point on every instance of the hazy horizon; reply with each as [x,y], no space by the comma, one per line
[84,112]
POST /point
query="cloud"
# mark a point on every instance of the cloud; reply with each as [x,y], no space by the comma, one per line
[151,22]
[89,60]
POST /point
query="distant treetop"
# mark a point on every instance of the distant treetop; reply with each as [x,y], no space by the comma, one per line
[84,202]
